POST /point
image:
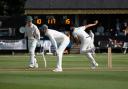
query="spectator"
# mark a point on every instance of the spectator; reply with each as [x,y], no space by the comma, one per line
[0,23]
[118,43]
[125,46]
[100,30]
[118,26]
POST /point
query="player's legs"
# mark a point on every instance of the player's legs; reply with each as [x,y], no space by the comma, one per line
[125,46]
[86,45]
[94,64]
[60,52]
[59,61]
[91,46]
[32,47]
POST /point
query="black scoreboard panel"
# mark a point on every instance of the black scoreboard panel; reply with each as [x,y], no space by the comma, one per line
[65,21]
[54,21]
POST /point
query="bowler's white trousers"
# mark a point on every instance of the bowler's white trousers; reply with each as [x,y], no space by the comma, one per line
[86,45]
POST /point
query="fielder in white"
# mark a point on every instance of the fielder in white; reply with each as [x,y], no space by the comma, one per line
[87,45]
[33,35]
[60,42]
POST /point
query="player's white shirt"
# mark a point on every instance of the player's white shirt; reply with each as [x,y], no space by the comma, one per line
[80,32]
[55,36]
[32,32]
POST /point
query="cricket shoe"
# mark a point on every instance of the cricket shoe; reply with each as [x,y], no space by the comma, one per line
[58,70]
[36,65]
[31,66]
[94,65]
[125,52]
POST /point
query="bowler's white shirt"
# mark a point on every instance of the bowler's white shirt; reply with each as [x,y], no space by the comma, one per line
[32,32]
[55,36]
[80,32]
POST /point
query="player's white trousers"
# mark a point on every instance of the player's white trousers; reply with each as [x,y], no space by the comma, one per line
[60,52]
[31,47]
[86,45]
[91,58]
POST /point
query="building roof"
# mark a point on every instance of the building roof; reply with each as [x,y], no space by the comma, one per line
[76,4]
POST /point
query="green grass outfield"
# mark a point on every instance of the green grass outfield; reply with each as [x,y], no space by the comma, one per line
[15,74]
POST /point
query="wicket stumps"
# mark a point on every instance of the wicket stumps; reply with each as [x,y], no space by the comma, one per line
[109,58]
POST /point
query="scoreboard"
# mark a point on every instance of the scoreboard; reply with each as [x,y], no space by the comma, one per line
[58,20]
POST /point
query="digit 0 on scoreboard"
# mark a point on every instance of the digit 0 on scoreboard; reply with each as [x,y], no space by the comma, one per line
[38,21]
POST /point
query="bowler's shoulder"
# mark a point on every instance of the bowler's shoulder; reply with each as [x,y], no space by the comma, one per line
[48,32]
[82,27]
[51,30]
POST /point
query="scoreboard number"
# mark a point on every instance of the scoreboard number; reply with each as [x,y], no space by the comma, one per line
[67,21]
[51,21]
[39,21]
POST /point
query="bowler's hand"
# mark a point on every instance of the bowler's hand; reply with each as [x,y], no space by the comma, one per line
[96,22]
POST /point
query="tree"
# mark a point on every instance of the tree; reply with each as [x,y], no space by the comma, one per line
[2,4]
[12,7]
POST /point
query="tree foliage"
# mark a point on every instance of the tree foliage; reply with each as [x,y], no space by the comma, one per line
[12,7]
